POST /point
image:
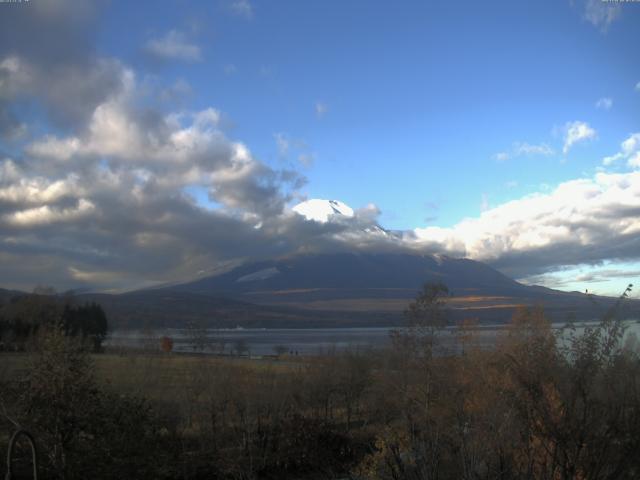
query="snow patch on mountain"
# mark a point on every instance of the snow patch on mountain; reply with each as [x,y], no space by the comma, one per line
[259,275]
[322,211]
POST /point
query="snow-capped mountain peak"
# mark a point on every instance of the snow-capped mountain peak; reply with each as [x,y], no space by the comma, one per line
[321,210]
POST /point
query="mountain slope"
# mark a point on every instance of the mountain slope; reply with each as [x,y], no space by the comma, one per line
[386,283]
[332,273]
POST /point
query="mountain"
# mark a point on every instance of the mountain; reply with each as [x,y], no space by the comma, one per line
[339,289]
[327,276]
[328,211]
[386,283]
[322,211]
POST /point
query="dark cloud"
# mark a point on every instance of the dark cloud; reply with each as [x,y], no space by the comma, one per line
[49,32]
[11,128]
[50,42]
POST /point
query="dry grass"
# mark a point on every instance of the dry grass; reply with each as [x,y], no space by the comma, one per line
[155,376]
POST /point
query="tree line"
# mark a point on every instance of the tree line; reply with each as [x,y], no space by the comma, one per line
[22,316]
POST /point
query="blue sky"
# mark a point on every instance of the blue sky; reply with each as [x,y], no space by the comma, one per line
[418,99]
[433,111]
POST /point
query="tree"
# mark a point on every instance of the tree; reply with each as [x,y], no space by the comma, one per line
[85,432]
[198,336]
[241,346]
[24,315]
[58,394]
[280,350]
[166,344]
[426,316]
[412,446]
[88,321]
[576,400]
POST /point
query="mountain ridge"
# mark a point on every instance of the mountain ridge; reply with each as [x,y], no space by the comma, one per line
[340,289]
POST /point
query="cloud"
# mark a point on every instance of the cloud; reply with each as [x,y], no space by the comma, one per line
[604,103]
[229,69]
[173,46]
[55,65]
[241,8]
[109,198]
[608,278]
[175,92]
[605,274]
[283,143]
[582,221]
[629,151]
[306,159]
[45,214]
[601,14]
[638,87]
[88,83]
[524,149]
[173,150]
[11,128]
[65,29]
[484,202]
[576,132]
[321,109]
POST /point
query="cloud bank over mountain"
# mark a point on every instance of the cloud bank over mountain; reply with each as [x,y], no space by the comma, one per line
[96,175]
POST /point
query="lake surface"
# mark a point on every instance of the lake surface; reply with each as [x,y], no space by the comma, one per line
[301,341]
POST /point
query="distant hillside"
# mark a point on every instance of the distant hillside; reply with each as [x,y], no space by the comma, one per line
[387,283]
[362,272]
[171,308]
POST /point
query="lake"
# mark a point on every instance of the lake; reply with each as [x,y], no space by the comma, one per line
[301,341]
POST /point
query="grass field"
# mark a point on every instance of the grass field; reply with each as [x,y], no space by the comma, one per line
[157,376]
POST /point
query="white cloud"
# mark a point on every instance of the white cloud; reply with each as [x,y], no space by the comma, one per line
[242,8]
[581,221]
[283,144]
[601,14]
[638,87]
[40,190]
[577,132]
[189,143]
[524,149]
[321,109]
[46,214]
[604,103]
[612,159]
[117,186]
[174,46]
[629,151]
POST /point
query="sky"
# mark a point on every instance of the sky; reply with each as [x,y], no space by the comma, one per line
[151,142]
